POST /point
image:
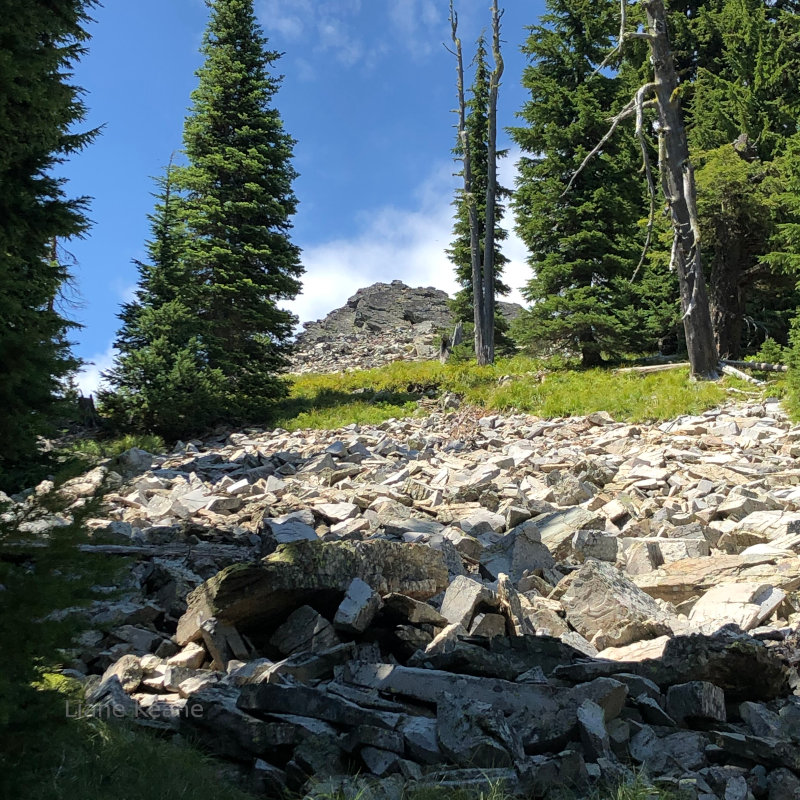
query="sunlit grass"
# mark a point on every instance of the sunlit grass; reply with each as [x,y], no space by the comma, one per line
[518,384]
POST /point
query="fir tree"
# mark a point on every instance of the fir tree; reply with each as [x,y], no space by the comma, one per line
[584,244]
[477,131]
[161,378]
[238,209]
[39,111]
[205,338]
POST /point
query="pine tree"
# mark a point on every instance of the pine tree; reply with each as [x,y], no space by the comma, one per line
[39,110]
[584,244]
[459,253]
[238,209]
[205,338]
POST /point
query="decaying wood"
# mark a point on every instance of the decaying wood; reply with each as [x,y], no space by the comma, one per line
[487,295]
[759,366]
[654,368]
[737,373]
[677,177]
[678,186]
[469,195]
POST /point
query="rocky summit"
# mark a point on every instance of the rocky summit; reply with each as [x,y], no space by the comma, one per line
[460,599]
[379,324]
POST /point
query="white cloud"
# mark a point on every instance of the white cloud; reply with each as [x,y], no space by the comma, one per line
[417,24]
[89,378]
[329,25]
[398,243]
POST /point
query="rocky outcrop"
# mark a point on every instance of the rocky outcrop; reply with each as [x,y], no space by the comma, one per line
[379,324]
[461,597]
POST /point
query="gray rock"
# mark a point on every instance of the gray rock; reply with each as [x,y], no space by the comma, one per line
[358,609]
[696,702]
[609,609]
[472,733]
[783,785]
[595,544]
[253,595]
[462,599]
[519,550]
[305,630]
[558,528]
[760,720]
[592,726]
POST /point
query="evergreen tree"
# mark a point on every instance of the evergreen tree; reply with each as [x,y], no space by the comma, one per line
[161,378]
[477,122]
[39,110]
[239,202]
[584,244]
[205,337]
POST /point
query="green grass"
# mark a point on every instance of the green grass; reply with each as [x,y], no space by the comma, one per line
[516,384]
[64,758]
[109,448]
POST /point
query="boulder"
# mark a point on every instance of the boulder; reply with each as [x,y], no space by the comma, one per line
[745,604]
[696,702]
[462,599]
[609,609]
[255,595]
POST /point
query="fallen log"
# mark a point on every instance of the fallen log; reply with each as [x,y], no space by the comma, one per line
[726,369]
[760,366]
[653,368]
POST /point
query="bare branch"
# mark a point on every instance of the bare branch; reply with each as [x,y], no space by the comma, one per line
[615,121]
[651,187]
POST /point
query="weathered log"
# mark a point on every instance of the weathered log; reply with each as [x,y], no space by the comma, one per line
[653,368]
[737,373]
[759,366]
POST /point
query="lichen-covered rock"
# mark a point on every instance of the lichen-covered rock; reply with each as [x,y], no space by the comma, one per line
[249,595]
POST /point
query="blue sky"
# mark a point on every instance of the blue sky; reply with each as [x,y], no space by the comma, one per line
[368,93]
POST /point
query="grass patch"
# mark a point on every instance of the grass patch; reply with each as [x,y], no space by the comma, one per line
[514,384]
[63,758]
[109,448]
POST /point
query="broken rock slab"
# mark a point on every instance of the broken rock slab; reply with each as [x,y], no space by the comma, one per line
[745,604]
[462,599]
[609,609]
[358,609]
[253,595]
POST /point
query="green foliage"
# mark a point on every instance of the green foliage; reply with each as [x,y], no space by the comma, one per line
[792,360]
[203,340]
[477,130]
[39,111]
[770,352]
[584,243]
[547,389]
[109,448]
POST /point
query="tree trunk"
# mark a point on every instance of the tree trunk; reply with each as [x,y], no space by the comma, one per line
[486,356]
[678,183]
[474,244]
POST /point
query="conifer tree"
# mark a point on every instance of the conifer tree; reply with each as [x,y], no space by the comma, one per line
[39,111]
[584,244]
[161,379]
[205,338]
[477,131]
[238,209]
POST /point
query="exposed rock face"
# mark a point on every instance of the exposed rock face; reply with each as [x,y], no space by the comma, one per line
[409,600]
[381,323]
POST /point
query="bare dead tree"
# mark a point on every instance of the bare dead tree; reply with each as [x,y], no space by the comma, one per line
[677,183]
[469,195]
[487,355]
[482,262]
